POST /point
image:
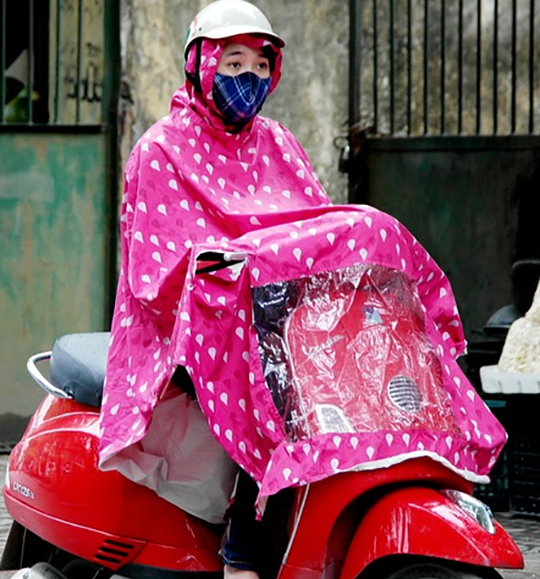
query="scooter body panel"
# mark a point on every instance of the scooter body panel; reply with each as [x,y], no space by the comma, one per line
[57,491]
[420,521]
[334,506]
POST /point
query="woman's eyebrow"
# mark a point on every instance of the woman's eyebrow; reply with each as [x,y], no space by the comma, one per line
[240,52]
[235,53]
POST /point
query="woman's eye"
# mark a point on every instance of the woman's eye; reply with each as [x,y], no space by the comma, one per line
[234,65]
[263,65]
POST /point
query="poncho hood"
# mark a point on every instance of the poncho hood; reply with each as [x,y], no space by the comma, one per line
[201,67]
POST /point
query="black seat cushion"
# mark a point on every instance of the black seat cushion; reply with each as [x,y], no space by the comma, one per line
[78,365]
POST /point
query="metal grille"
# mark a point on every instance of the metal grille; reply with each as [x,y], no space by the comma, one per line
[52,62]
[447,67]
[117,551]
[405,394]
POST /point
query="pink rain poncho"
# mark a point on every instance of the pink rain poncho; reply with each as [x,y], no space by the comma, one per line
[319,338]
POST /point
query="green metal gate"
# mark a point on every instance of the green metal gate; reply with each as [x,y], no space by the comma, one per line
[59,75]
[445,133]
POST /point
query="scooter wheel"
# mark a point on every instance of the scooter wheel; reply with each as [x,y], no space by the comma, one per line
[23,549]
[430,571]
[39,571]
[26,551]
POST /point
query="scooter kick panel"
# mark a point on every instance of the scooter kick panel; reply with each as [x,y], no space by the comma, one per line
[423,522]
[113,551]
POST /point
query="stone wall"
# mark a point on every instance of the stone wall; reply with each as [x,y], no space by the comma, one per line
[311,99]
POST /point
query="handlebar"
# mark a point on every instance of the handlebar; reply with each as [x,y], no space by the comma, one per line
[210,261]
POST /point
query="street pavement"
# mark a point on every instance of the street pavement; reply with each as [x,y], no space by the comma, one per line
[5,520]
[526,533]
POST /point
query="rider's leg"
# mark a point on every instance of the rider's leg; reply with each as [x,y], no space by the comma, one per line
[242,540]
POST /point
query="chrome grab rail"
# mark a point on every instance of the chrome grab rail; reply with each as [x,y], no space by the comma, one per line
[40,379]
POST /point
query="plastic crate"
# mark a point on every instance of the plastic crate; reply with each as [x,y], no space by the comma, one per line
[496,494]
[496,382]
[525,477]
[524,454]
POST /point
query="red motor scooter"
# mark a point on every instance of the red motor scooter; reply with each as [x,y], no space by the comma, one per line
[413,520]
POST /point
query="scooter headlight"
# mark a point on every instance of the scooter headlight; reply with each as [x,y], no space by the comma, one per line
[331,418]
[480,512]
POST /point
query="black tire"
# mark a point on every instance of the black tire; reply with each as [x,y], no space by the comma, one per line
[81,569]
[23,549]
[431,571]
[12,555]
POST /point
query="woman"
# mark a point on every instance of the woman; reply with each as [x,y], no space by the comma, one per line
[211,170]
[213,175]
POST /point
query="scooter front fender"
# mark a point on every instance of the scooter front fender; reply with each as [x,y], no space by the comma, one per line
[422,522]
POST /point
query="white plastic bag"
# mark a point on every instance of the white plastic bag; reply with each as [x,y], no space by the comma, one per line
[180,460]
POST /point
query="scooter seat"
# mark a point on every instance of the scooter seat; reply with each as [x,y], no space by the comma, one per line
[78,365]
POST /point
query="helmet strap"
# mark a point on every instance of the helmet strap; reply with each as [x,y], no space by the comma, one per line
[193,77]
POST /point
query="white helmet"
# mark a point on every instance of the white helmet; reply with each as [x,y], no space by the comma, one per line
[225,18]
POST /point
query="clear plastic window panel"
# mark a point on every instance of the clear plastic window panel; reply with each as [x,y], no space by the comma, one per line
[346,351]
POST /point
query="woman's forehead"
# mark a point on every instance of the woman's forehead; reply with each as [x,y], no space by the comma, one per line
[236,48]
[253,41]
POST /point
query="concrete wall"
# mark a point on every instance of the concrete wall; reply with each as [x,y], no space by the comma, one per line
[311,99]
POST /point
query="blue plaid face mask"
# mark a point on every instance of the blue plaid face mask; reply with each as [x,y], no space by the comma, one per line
[240,98]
